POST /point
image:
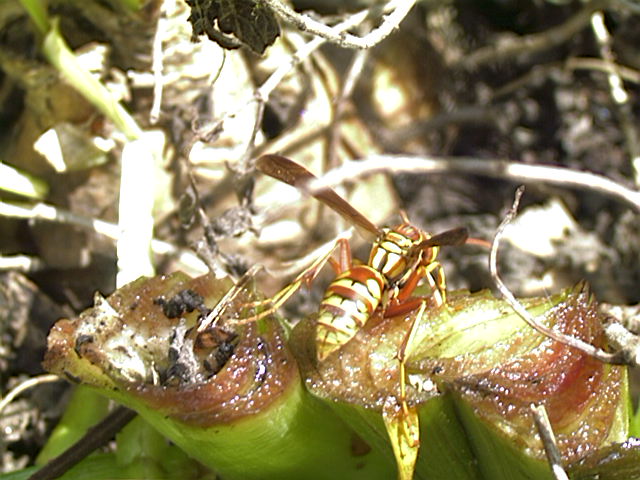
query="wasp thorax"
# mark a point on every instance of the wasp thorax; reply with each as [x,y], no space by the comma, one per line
[393,253]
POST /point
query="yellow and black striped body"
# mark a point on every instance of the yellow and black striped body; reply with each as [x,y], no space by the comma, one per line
[393,256]
[347,305]
[354,295]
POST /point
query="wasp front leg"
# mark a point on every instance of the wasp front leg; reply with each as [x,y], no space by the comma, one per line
[437,282]
[306,277]
[402,303]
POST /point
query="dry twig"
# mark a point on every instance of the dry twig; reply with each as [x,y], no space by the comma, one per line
[26,385]
[514,47]
[541,419]
[503,169]
[398,8]
[618,93]
[353,73]
[615,358]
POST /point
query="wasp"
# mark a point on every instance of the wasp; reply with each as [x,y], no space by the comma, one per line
[401,257]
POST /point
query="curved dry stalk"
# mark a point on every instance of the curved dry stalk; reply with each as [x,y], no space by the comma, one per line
[354,71]
[496,168]
[398,8]
[615,358]
[26,385]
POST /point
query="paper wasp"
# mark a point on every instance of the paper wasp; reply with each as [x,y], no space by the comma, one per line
[400,258]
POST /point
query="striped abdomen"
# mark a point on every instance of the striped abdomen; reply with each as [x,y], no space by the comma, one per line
[347,305]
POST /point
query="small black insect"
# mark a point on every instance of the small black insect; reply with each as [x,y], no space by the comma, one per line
[185,301]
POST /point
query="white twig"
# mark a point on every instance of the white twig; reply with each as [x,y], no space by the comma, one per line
[504,169]
[21,263]
[263,93]
[399,10]
[42,211]
[541,419]
[522,312]
[157,64]
[26,385]
[618,92]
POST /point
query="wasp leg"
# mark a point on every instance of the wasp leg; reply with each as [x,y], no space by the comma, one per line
[405,350]
[402,303]
[435,276]
[216,313]
[402,421]
[306,277]
[405,449]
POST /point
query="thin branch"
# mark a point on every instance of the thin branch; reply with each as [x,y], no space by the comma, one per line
[96,437]
[618,93]
[246,161]
[586,63]
[350,79]
[43,211]
[503,169]
[399,10]
[508,48]
[263,93]
[26,385]
[21,263]
[587,348]
[541,419]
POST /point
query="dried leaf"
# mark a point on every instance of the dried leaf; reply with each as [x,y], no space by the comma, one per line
[250,22]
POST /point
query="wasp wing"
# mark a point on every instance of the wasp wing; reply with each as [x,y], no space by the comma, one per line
[294,174]
[453,237]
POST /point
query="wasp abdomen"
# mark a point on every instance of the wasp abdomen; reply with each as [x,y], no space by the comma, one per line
[348,303]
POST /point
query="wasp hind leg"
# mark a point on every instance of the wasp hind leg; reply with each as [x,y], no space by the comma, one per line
[401,419]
